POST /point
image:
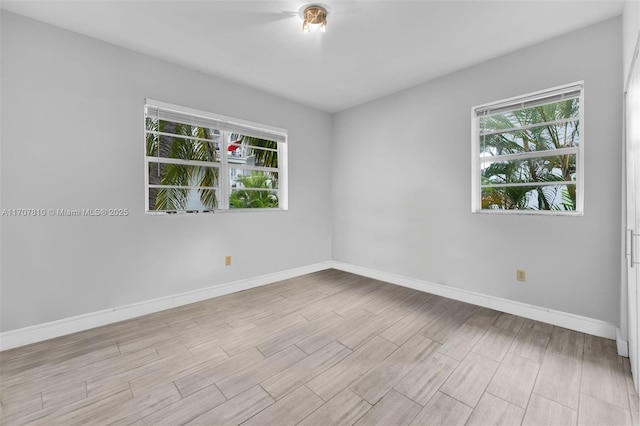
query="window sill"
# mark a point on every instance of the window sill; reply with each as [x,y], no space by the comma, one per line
[529,212]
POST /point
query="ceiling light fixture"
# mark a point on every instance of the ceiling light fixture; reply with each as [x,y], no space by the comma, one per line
[314,15]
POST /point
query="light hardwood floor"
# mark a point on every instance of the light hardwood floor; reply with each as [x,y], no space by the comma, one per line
[329,348]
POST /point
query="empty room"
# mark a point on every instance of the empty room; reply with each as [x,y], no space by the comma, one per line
[276,213]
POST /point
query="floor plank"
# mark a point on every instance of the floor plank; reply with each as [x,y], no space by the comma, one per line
[338,377]
[65,394]
[306,369]
[426,378]
[329,334]
[443,410]
[559,380]
[260,371]
[289,410]
[531,342]
[634,400]
[469,380]
[566,343]
[393,409]
[604,379]
[237,409]
[509,322]
[186,409]
[344,409]
[88,410]
[543,411]
[361,335]
[596,412]
[143,405]
[441,328]
[495,343]
[503,385]
[412,323]
[377,382]
[492,410]
[294,335]
[210,374]
[460,342]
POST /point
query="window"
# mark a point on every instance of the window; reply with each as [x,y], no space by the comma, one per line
[202,162]
[527,153]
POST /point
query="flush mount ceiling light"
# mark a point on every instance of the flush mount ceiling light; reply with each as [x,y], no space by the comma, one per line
[314,15]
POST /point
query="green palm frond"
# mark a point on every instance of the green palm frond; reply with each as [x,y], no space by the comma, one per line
[171,199]
[256,190]
[508,136]
[263,157]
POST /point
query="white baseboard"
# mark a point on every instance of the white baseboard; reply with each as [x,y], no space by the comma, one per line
[622,345]
[41,332]
[49,330]
[549,316]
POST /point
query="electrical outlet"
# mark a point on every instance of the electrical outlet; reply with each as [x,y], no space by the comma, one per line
[227,260]
[521,275]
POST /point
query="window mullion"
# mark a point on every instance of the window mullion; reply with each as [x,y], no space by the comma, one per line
[283,179]
[182,187]
[545,183]
[530,126]
[178,136]
[254,168]
[179,161]
[530,154]
[225,185]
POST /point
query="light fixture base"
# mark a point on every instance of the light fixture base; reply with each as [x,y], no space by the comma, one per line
[314,15]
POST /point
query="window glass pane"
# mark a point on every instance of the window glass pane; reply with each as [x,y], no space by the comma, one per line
[183,199]
[252,198]
[164,146]
[545,197]
[252,151]
[541,138]
[253,189]
[528,116]
[541,169]
[242,178]
[163,126]
[182,175]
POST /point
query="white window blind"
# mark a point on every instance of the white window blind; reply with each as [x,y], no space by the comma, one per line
[164,111]
[540,98]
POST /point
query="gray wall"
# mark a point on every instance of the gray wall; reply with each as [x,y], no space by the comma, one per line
[72,137]
[401,183]
[630,33]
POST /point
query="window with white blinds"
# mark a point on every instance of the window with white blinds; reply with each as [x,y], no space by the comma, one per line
[527,153]
[197,161]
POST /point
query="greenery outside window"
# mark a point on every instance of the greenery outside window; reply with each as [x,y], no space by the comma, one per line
[528,153]
[201,162]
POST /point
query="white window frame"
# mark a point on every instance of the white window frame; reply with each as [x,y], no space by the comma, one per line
[225,125]
[551,95]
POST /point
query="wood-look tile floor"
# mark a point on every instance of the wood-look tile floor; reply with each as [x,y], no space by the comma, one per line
[329,348]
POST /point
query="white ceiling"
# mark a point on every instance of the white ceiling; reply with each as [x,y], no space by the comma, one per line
[371,48]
